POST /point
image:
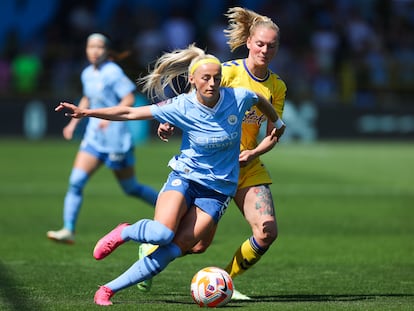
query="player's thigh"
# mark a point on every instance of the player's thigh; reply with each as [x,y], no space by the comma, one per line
[205,241]
[170,209]
[122,164]
[86,162]
[194,226]
[256,204]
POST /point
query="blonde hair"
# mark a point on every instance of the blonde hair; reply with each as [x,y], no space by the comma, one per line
[169,67]
[242,25]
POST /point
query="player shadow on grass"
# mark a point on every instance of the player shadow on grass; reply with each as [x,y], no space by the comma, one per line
[316,297]
[13,294]
[297,298]
[182,300]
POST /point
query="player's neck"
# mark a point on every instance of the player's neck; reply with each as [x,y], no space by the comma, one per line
[208,101]
[259,72]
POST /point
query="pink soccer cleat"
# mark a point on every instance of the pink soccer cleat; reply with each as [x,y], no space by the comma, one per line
[109,242]
[102,296]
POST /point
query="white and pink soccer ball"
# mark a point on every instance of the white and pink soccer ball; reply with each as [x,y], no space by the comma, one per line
[211,287]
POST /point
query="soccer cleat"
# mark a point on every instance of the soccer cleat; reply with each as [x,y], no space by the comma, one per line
[143,250]
[103,296]
[239,296]
[62,236]
[109,242]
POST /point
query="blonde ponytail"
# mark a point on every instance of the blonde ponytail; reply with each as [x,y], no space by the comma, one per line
[168,68]
[242,24]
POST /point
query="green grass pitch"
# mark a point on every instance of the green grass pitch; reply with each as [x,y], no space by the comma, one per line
[346,231]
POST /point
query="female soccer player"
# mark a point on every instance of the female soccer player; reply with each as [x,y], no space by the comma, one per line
[205,173]
[253,197]
[104,142]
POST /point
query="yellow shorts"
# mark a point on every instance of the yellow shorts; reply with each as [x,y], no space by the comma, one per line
[254,174]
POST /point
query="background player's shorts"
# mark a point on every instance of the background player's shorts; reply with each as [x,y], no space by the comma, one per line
[208,200]
[113,161]
[254,174]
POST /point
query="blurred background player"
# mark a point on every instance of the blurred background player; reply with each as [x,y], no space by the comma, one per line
[104,142]
[253,197]
[204,175]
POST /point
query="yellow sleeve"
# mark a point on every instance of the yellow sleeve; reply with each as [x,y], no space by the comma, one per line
[279,96]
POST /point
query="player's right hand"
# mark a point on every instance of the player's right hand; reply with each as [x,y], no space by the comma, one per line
[74,111]
[165,131]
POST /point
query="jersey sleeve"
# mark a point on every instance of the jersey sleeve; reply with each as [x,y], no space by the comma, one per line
[245,98]
[170,110]
[279,96]
[229,73]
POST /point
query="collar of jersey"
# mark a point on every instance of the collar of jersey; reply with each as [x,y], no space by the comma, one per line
[253,76]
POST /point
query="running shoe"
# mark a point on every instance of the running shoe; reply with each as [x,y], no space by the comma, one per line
[143,250]
[239,296]
[109,242]
[103,296]
[62,236]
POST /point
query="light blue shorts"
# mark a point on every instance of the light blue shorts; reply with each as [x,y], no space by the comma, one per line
[114,161]
[208,200]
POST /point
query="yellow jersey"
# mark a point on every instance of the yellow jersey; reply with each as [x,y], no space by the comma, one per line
[236,74]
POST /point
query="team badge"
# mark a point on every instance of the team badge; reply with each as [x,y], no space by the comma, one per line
[232,119]
[176,182]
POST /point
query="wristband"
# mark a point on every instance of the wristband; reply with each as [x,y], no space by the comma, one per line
[278,123]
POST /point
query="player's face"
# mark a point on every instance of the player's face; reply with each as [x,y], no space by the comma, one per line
[95,51]
[207,79]
[262,46]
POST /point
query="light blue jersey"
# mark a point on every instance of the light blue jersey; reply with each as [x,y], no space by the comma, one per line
[211,136]
[105,87]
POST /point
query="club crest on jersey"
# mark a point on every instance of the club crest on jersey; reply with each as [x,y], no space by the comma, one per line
[232,119]
[176,182]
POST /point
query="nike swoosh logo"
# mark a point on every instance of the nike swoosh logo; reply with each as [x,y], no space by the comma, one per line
[225,283]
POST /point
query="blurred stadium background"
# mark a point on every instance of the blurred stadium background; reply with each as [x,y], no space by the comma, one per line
[348,64]
[344,205]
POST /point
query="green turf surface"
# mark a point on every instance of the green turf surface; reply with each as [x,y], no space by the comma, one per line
[345,213]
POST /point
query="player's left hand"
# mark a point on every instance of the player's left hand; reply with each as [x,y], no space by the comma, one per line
[165,131]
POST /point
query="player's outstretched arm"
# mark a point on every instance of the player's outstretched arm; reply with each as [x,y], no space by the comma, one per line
[115,113]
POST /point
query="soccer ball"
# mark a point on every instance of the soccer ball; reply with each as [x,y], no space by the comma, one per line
[211,287]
